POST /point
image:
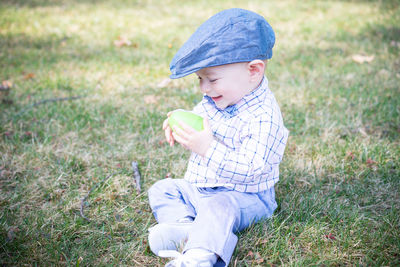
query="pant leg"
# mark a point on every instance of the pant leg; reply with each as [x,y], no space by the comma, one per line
[172,199]
[213,227]
[222,213]
[219,213]
[255,207]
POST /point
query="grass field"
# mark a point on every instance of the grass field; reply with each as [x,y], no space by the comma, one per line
[335,72]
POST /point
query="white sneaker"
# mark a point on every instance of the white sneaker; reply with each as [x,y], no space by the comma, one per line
[184,260]
[168,236]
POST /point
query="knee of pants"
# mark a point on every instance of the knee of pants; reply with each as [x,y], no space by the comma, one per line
[223,206]
[160,187]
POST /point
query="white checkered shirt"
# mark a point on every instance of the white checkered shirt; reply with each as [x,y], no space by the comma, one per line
[250,139]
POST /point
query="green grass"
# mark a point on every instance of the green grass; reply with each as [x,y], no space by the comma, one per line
[338,195]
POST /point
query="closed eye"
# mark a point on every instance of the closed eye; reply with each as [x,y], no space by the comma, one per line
[210,80]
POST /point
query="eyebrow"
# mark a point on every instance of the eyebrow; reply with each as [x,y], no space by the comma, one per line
[209,73]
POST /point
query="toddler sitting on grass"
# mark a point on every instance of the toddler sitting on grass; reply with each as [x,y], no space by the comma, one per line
[234,164]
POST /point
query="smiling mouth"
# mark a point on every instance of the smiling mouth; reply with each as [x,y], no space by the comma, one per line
[216,98]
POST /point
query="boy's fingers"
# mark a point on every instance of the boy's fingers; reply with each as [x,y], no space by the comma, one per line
[206,124]
[186,128]
[168,134]
[179,139]
[180,133]
[165,124]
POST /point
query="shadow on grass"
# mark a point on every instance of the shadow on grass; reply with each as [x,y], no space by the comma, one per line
[378,33]
[52,49]
[387,4]
[51,3]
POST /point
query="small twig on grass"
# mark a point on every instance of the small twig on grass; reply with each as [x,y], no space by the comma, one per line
[136,176]
[90,191]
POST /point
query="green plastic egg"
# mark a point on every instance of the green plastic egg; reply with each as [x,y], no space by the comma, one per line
[193,120]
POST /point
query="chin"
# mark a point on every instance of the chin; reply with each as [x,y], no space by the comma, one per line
[221,106]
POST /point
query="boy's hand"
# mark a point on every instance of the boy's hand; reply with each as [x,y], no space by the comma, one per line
[168,131]
[196,141]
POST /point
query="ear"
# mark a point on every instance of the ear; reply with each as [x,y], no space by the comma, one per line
[256,69]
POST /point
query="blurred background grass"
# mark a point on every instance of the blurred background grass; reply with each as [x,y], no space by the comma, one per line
[335,72]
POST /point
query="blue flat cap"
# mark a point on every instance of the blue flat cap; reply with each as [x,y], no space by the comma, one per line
[230,36]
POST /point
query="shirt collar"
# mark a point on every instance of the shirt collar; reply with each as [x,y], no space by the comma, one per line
[248,100]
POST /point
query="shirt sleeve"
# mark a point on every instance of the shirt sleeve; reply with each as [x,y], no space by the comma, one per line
[262,143]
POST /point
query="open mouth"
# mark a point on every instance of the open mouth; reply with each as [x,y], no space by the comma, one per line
[216,98]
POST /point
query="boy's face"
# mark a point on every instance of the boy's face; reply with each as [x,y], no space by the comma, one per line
[225,84]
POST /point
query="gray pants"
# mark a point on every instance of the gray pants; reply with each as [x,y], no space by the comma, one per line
[218,212]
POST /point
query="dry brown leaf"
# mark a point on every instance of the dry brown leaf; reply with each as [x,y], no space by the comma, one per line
[330,236]
[150,99]
[29,76]
[114,196]
[12,233]
[350,155]
[371,162]
[259,261]
[362,58]
[5,85]
[162,142]
[164,83]
[262,241]
[122,41]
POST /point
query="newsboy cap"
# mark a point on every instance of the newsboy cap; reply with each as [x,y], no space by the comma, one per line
[230,36]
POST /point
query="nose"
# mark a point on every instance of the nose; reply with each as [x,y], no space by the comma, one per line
[204,86]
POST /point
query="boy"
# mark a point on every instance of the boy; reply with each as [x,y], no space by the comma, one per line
[229,182]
